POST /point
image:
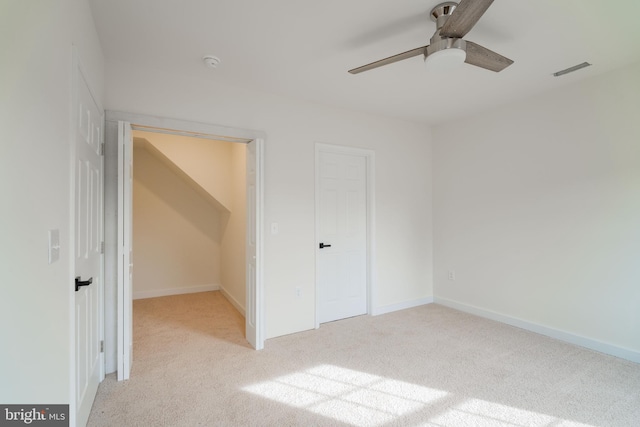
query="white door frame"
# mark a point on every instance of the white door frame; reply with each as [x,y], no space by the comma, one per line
[369,156]
[206,131]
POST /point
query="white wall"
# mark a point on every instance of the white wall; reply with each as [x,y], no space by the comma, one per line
[403,182]
[206,161]
[177,233]
[537,209]
[35,182]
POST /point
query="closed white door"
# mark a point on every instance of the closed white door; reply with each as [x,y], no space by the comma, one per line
[342,236]
[88,243]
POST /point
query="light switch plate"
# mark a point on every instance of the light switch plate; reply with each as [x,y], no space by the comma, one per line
[54,246]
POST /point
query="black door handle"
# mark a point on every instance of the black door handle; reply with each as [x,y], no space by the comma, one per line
[83,283]
[322,245]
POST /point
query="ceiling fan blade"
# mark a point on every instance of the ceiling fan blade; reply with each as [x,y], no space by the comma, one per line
[464,17]
[485,58]
[390,60]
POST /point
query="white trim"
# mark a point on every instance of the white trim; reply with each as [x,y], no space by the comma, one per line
[183,127]
[401,306]
[369,156]
[232,300]
[174,291]
[602,347]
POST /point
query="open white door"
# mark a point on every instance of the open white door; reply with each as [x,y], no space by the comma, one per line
[125,264]
[253,319]
[88,232]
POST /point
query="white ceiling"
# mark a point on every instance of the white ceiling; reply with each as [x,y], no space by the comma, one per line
[303,49]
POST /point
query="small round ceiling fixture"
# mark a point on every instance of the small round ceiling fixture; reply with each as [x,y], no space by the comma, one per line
[211,61]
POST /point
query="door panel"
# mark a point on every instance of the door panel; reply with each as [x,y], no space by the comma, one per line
[342,210]
[125,251]
[88,257]
[253,303]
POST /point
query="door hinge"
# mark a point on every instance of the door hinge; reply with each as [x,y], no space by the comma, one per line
[102,346]
[101,247]
[102,148]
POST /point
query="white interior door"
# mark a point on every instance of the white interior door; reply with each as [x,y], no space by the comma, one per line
[88,251]
[253,291]
[342,235]
[125,251]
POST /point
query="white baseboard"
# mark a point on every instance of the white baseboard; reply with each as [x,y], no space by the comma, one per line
[400,306]
[174,291]
[232,300]
[589,343]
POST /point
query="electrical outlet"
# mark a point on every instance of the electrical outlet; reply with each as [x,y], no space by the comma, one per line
[452,275]
[298,292]
[275,229]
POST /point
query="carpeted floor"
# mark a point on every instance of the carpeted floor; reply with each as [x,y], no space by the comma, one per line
[426,366]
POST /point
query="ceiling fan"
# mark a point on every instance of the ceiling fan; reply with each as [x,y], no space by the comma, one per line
[453,21]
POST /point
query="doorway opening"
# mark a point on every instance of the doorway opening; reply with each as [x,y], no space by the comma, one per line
[188,237]
[121,127]
[189,216]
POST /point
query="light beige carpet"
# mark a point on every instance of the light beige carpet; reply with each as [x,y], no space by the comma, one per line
[426,366]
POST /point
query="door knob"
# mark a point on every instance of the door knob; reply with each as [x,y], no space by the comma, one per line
[82,283]
[322,245]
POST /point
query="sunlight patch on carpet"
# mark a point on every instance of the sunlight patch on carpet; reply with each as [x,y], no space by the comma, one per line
[363,399]
[347,395]
[480,413]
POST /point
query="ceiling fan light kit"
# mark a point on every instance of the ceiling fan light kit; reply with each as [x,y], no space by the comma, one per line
[445,55]
[453,22]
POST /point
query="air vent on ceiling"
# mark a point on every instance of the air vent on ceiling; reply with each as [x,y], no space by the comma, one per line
[571,69]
